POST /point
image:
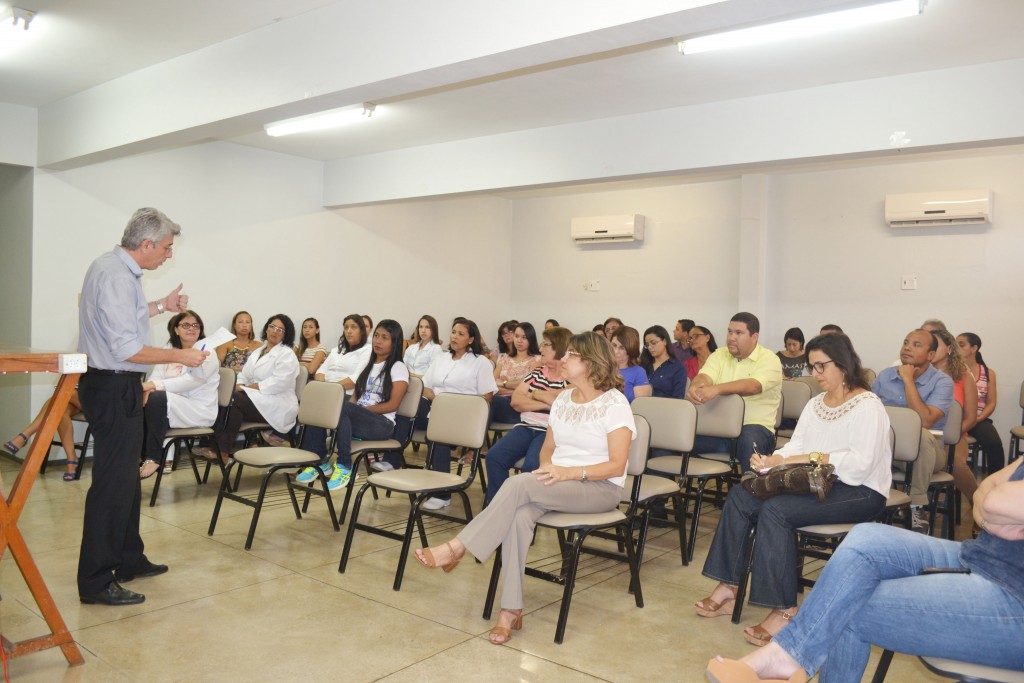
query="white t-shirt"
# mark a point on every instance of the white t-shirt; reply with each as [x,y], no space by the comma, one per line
[855,435]
[341,365]
[581,429]
[418,360]
[471,374]
[374,393]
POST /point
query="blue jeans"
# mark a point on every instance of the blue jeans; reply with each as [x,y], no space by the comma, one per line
[520,442]
[870,592]
[773,572]
[502,410]
[750,436]
[356,421]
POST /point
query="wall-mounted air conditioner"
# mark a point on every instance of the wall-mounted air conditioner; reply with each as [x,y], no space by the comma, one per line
[928,209]
[596,229]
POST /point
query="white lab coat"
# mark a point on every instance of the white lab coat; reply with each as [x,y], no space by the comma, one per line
[191,392]
[275,372]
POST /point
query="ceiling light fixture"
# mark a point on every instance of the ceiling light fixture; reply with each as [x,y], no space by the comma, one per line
[327,119]
[25,15]
[806,26]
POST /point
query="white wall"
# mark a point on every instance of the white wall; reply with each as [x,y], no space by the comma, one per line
[18,135]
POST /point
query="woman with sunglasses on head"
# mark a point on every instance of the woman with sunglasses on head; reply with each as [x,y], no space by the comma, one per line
[176,396]
[582,470]
[985,378]
[666,374]
[371,411]
[965,392]
[703,344]
[847,427]
[310,351]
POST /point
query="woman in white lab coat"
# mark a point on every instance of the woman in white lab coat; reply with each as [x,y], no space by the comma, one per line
[177,396]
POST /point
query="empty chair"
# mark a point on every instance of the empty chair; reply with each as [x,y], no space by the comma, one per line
[795,396]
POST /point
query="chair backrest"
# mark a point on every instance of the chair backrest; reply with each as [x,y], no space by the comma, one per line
[721,418]
[672,422]
[795,396]
[641,445]
[1022,395]
[321,404]
[906,429]
[458,420]
[779,410]
[811,383]
[953,431]
[411,401]
[226,387]
[300,381]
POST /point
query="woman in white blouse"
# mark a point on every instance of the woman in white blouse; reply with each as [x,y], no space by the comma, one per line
[265,389]
[847,427]
[463,370]
[177,396]
[345,362]
[425,347]
[582,469]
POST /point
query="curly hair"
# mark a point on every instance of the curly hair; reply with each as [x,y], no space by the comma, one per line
[596,352]
[955,365]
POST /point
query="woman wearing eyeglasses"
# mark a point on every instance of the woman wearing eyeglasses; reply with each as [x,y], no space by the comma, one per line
[847,427]
[666,374]
[582,469]
[177,396]
[703,344]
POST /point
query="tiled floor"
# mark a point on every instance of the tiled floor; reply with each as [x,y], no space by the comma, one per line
[282,611]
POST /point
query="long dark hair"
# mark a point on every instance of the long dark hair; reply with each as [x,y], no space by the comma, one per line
[974,340]
[343,346]
[646,358]
[394,330]
[532,349]
[509,325]
[303,344]
[289,329]
[475,346]
[838,347]
[712,344]
[172,327]
[432,324]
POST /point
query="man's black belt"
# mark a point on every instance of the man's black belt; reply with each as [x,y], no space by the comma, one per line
[101,371]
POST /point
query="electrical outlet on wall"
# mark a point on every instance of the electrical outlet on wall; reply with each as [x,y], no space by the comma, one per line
[908,282]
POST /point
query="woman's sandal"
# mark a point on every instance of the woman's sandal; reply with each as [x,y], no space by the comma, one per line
[148,468]
[731,671]
[426,558]
[11,448]
[710,609]
[759,635]
[72,476]
[499,635]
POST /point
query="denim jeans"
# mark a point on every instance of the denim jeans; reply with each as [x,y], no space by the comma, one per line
[870,592]
[773,574]
[520,442]
[502,411]
[356,421]
[750,436]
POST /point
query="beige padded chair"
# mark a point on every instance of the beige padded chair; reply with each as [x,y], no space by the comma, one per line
[950,668]
[906,444]
[573,529]
[188,436]
[321,406]
[673,427]
[795,396]
[722,418]
[456,420]
[811,383]
[1017,433]
[251,429]
[941,484]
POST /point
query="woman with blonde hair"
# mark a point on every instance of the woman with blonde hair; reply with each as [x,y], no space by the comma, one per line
[582,469]
[965,392]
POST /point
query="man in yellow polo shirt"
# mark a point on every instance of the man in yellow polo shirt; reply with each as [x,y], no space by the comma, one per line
[750,370]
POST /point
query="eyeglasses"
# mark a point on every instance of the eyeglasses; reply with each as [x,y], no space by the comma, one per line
[818,367]
[574,353]
[654,343]
[546,344]
[190,326]
[275,328]
[696,335]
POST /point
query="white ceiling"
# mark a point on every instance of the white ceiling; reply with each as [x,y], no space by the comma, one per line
[80,44]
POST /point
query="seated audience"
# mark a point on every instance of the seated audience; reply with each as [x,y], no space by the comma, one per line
[983,431]
[424,348]
[265,390]
[511,369]
[626,351]
[847,427]
[463,370]
[234,353]
[310,351]
[873,592]
[610,325]
[702,344]
[583,468]
[598,329]
[549,323]
[176,396]
[748,369]
[681,346]
[915,384]
[830,329]
[65,431]
[370,413]
[793,357]
[965,392]
[506,337]
[532,400]
[666,375]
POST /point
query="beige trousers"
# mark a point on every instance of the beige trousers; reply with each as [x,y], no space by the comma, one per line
[511,516]
[931,458]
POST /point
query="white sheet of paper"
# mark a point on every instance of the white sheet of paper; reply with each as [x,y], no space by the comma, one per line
[221,336]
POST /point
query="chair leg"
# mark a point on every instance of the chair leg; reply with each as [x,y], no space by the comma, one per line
[883,666]
[570,583]
[634,565]
[492,585]
[697,502]
[741,588]
[414,514]
[679,503]
[350,534]
[224,487]
[259,508]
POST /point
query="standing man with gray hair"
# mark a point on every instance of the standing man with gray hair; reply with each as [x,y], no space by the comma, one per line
[113,329]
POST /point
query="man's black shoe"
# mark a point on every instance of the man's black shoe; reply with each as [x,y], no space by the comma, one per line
[114,595]
[148,569]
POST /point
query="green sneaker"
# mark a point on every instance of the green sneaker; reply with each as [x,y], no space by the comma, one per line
[309,474]
[339,478]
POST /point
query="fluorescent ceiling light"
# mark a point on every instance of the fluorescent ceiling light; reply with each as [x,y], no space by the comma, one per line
[806,26]
[321,121]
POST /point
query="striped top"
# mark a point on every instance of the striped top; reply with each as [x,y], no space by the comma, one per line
[539,380]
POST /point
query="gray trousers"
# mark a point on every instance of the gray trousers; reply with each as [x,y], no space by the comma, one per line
[509,520]
[931,458]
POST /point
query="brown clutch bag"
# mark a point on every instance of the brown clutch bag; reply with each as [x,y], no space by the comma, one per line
[797,478]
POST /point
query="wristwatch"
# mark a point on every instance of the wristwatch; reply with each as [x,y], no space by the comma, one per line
[583,477]
[159,306]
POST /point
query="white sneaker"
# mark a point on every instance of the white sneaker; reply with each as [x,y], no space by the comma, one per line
[381,466]
[919,521]
[435,503]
